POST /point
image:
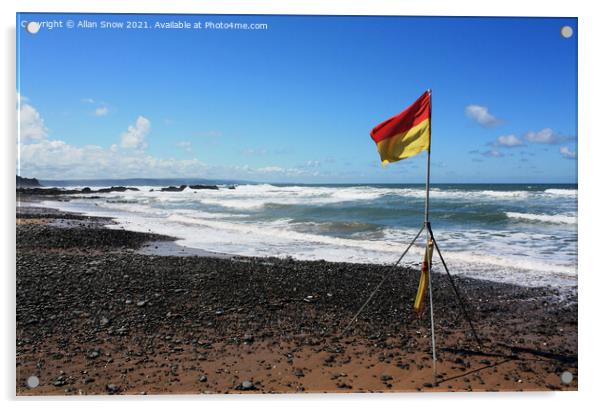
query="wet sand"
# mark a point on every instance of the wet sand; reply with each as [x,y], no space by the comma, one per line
[103,310]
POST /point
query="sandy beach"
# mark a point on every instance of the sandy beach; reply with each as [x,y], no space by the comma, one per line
[103,310]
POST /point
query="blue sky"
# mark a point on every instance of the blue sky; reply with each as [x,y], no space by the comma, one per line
[296,102]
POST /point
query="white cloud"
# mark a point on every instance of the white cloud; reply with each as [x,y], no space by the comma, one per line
[492,154]
[271,169]
[186,145]
[509,141]
[55,159]
[291,172]
[546,135]
[481,115]
[134,137]
[254,152]
[46,158]
[88,100]
[567,153]
[31,124]
[101,111]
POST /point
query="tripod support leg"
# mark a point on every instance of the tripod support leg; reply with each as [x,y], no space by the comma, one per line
[382,281]
[451,280]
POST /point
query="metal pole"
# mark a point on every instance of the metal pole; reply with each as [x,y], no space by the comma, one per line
[428,238]
[428,163]
[428,263]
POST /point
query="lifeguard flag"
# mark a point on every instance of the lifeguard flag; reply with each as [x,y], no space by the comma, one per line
[405,134]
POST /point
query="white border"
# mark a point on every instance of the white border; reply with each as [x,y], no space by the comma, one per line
[590,157]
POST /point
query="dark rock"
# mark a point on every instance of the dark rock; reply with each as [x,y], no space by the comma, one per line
[209,187]
[386,378]
[173,188]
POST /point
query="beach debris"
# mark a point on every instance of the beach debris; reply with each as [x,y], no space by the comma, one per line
[93,354]
[104,321]
[203,378]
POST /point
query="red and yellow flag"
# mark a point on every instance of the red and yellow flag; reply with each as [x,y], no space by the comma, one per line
[405,134]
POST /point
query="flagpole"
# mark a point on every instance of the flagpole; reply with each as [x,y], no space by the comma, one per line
[428,163]
[429,238]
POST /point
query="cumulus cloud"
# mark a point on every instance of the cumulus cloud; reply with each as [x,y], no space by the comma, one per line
[481,115]
[509,141]
[101,111]
[31,124]
[55,159]
[546,136]
[44,157]
[567,153]
[134,137]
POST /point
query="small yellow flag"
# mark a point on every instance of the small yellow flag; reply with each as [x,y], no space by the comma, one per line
[424,278]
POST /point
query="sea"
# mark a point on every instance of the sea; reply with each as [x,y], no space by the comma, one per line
[523,234]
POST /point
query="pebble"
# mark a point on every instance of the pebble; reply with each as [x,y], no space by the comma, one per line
[112,388]
[246,386]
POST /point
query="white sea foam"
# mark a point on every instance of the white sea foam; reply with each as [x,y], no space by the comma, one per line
[257,197]
[561,192]
[239,221]
[545,218]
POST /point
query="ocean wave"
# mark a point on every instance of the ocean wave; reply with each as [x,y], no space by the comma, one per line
[544,218]
[275,236]
[253,197]
[561,192]
[518,257]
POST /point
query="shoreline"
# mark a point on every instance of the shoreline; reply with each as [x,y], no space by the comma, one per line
[534,272]
[271,322]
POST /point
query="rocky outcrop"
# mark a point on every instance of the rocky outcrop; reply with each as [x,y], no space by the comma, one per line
[53,191]
[210,187]
[27,182]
